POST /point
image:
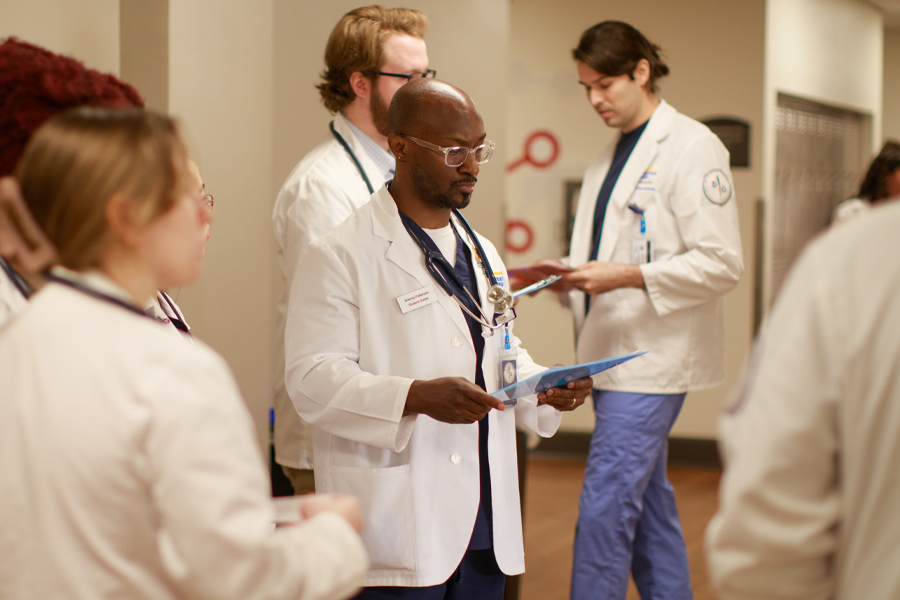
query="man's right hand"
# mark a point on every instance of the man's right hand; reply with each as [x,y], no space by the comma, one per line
[450,400]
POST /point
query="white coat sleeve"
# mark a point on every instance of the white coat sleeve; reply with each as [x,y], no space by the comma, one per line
[322,347]
[211,493]
[775,535]
[317,206]
[713,262]
[542,419]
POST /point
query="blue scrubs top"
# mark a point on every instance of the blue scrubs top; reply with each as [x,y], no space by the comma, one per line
[624,147]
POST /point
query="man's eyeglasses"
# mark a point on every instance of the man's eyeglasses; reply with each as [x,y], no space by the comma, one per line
[455,156]
[429,73]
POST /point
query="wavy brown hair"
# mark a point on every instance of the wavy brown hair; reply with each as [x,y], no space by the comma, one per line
[357,44]
[615,48]
[874,185]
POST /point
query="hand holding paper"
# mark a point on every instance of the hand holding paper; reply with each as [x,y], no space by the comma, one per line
[527,275]
[559,376]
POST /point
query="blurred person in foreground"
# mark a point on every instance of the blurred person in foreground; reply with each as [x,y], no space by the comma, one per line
[129,467]
[809,498]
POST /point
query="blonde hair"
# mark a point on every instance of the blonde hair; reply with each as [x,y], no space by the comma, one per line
[357,44]
[78,159]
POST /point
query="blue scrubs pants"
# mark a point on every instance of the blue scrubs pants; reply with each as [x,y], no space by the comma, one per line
[627,517]
[477,578]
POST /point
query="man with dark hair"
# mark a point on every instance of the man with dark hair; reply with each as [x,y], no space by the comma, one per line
[371,52]
[655,246]
[392,344]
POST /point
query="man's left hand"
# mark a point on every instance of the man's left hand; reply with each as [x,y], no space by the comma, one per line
[568,397]
[597,277]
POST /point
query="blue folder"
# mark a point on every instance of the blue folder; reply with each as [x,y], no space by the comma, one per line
[558,376]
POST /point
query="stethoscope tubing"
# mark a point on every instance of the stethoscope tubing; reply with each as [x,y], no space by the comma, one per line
[95,294]
[17,280]
[352,156]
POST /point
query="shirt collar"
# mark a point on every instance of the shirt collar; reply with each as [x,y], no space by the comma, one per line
[383,159]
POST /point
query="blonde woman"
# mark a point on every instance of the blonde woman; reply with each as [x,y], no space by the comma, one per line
[128,464]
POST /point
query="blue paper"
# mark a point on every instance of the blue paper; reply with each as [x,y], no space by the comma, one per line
[558,376]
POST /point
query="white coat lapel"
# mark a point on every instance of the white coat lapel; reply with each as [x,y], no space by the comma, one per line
[641,157]
[406,254]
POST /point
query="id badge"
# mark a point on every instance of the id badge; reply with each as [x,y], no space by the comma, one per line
[508,363]
[641,251]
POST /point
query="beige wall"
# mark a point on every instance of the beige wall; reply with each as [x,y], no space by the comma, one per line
[716,70]
[891,89]
[86,29]
[220,86]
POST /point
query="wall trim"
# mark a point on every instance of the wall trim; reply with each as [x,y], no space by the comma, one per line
[684,452]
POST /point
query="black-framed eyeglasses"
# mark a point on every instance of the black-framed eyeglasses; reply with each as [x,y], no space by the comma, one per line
[455,156]
[429,73]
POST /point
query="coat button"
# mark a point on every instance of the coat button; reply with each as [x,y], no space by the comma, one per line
[456,342]
[455,458]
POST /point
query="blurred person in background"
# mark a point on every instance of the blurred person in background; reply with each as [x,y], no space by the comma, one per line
[881,182]
[371,52]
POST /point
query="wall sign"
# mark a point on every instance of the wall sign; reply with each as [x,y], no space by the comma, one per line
[735,135]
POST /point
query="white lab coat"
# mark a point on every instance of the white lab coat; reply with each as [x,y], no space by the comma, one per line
[696,252]
[322,191]
[351,358]
[130,468]
[809,499]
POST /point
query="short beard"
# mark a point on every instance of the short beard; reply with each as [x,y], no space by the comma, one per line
[379,111]
[427,191]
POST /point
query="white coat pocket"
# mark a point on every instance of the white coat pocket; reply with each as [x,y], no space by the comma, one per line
[386,497]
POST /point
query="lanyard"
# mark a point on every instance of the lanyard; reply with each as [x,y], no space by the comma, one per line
[350,153]
[440,269]
[175,318]
[98,295]
[16,279]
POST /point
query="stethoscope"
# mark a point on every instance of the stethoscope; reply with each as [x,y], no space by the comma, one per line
[174,317]
[440,268]
[177,322]
[352,156]
[95,294]
[17,280]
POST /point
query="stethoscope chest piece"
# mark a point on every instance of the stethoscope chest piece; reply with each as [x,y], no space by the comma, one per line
[500,298]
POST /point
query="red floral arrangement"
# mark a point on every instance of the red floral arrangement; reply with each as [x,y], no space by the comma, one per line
[36,84]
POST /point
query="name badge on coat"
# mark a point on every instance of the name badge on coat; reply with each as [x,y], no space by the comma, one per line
[416,299]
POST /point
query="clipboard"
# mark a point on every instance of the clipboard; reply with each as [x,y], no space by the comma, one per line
[558,376]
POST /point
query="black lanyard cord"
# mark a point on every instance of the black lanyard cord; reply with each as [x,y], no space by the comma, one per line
[98,295]
[352,156]
[16,279]
[175,319]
